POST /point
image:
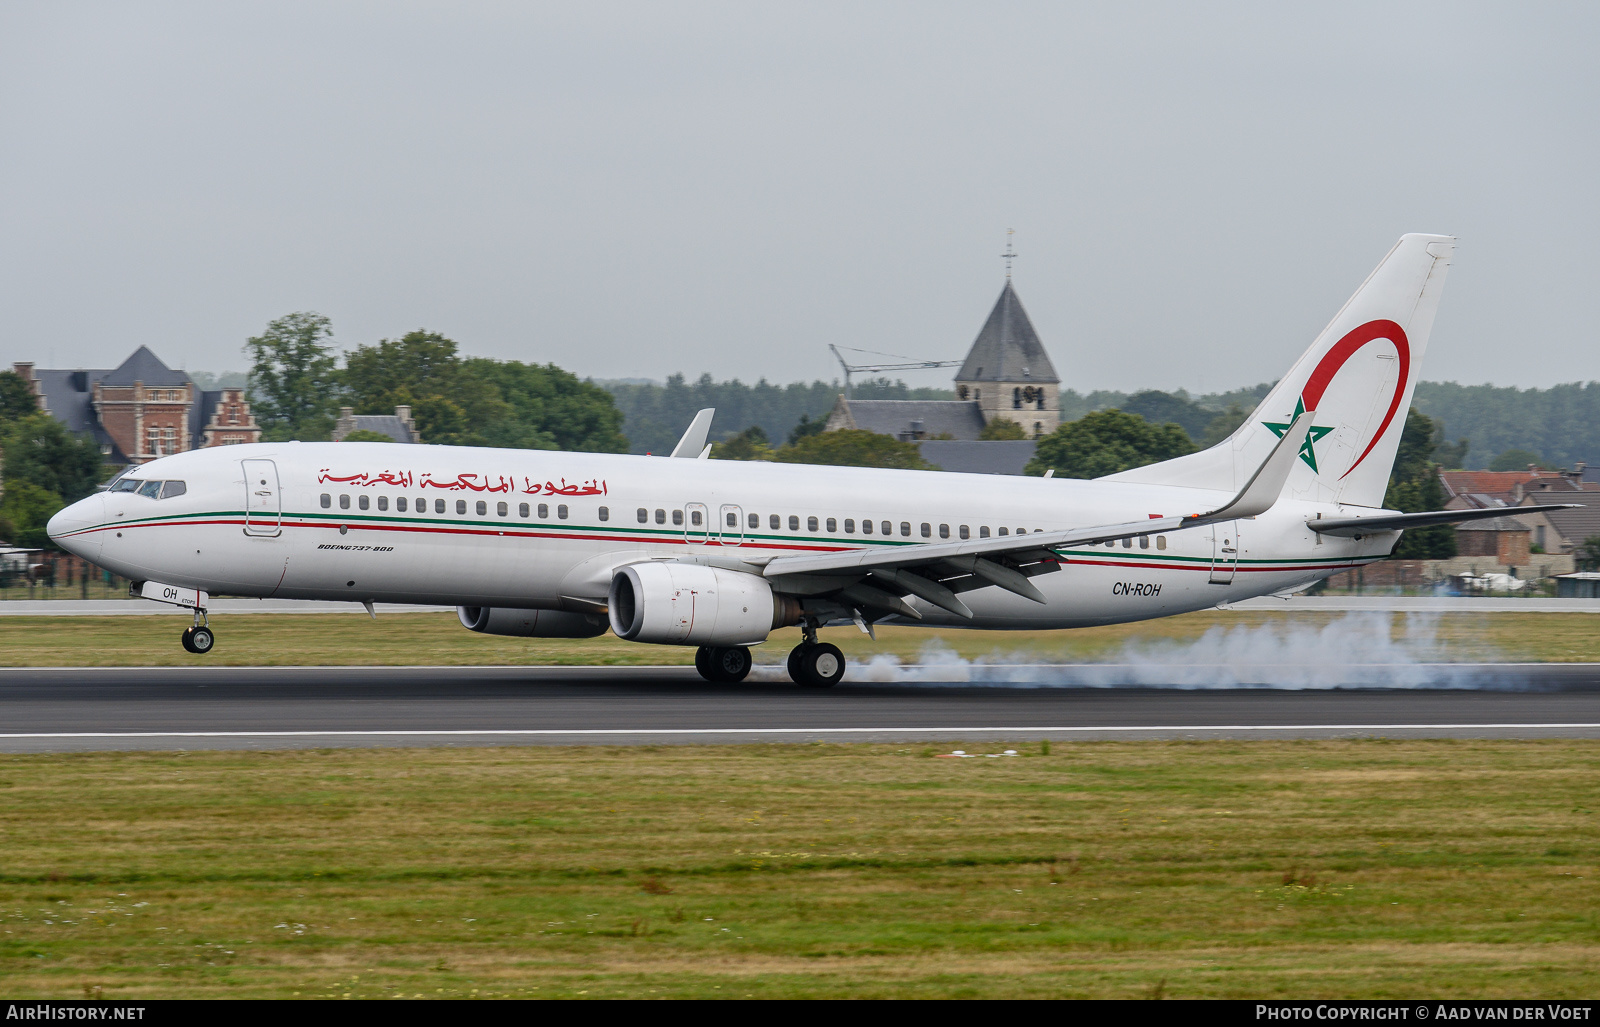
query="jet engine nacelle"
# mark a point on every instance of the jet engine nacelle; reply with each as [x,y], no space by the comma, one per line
[690,604]
[496,620]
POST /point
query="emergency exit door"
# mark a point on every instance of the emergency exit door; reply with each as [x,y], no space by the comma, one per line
[263,502]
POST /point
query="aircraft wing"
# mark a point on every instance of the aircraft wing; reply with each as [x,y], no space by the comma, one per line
[1356,527]
[878,577]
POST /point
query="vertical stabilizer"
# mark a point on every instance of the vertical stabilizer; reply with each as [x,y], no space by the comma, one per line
[1358,377]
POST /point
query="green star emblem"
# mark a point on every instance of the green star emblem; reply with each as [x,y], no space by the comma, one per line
[1307,451]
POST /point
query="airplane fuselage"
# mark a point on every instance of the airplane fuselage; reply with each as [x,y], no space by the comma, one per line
[530,529]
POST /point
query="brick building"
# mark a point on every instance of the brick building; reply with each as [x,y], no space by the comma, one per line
[141,409]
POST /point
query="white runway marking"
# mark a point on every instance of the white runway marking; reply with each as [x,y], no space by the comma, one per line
[507,732]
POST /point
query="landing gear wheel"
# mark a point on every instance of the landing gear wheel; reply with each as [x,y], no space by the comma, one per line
[820,665]
[730,665]
[199,640]
[702,662]
[794,661]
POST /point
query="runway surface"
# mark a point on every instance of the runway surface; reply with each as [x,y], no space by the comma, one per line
[52,710]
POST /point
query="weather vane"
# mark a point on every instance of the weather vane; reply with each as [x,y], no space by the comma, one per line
[1010,254]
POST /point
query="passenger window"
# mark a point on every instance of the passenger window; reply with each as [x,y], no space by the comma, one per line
[866,527]
[363,502]
[905,528]
[344,502]
[1001,531]
[1161,541]
[694,517]
[605,513]
[400,504]
[522,511]
[544,511]
[733,519]
[422,505]
[944,531]
[964,531]
[501,509]
[1112,544]
[438,506]
[1022,531]
[383,502]
[983,531]
[561,511]
[644,516]
[1144,541]
[811,524]
[774,522]
[482,508]
[886,528]
[833,525]
[173,488]
[927,530]
[661,517]
[754,520]
[677,517]
[794,523]
[1127,543]
[849,525]
[461,506]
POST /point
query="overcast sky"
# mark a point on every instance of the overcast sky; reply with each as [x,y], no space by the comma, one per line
[638,189]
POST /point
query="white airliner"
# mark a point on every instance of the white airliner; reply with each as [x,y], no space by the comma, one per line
[717,554]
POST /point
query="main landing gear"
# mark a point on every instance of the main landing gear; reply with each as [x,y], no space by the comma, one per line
[725,665]
[198,639]
[814,664]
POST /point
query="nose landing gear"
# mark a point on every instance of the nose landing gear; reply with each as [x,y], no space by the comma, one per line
[199,638]
[724,665]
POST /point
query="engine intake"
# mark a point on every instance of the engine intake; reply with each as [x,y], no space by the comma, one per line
[495,620]
[690,604]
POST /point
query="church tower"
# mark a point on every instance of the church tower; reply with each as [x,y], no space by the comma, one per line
[1008,373]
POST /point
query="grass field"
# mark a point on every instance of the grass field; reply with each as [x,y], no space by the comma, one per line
[438,638]
[1287,869]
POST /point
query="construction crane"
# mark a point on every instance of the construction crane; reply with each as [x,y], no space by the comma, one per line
[909,365]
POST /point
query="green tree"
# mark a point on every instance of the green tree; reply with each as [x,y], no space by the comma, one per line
[750,444]
[1516,460]
[294,378]
[806,427]
[1223,425]
[1414,487]
[853,447]
[16,399]
[1588,553]
[1106,442]
[365,435]
[41,452]
[1002,430]
[29,508]
[550,407]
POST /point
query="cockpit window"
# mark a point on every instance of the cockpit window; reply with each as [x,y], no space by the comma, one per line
[151,489]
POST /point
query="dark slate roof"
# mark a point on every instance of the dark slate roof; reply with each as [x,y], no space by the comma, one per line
[959,419]
[200,416]
[1007,349]
[67,396]
[384,424]
[1493,524]
[144,366]
[1002,457]
[1574,525]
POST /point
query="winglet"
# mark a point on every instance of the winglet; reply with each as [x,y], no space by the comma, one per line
[1261,492]
[694,440]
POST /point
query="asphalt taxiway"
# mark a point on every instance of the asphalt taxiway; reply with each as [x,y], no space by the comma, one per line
[79,709]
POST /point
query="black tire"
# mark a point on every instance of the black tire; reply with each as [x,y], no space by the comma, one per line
[821,665]
[201,640]
[731,665]
[795,673]
[187,640]
[702,662]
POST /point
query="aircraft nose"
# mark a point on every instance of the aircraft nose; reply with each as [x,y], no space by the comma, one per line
[65,527]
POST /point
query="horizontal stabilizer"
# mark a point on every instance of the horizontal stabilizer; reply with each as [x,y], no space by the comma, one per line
[1357,527]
